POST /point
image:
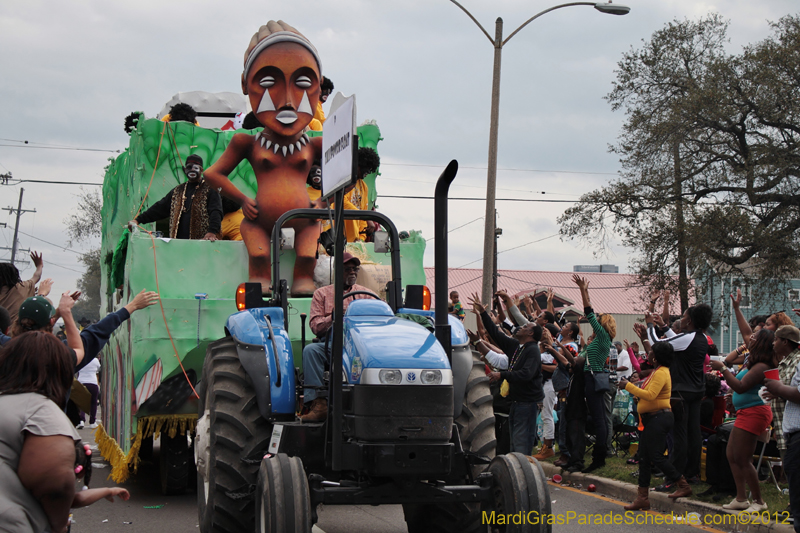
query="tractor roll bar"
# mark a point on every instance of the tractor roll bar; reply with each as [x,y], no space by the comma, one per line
[393,293]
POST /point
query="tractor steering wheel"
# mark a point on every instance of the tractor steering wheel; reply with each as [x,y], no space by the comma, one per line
[368,293]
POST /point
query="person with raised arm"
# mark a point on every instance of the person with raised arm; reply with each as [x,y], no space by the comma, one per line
[14,291]
[604,327]
[524,376]
[753,417]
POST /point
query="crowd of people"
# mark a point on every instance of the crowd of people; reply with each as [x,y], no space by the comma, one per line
[43,462]
[541,369]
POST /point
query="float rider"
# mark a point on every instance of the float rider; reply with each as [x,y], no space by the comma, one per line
[194,208]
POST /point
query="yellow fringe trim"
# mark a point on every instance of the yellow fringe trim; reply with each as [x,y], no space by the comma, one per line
[123,465]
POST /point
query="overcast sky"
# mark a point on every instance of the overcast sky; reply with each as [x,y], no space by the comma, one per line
[71,71]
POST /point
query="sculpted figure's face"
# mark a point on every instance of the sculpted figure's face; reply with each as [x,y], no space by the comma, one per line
[283,85]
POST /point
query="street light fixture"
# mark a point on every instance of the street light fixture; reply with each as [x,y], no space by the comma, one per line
[491,179]
[612,9]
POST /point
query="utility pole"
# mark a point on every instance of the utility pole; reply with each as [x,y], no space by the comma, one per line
[19,211]
[497,233]
[491,177]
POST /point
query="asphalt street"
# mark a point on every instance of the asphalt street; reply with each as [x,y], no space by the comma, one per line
[149,511]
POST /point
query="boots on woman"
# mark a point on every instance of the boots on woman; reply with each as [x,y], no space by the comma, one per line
[642,501]
[684,489]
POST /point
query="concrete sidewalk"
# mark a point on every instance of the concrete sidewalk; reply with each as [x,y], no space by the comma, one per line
[660,502]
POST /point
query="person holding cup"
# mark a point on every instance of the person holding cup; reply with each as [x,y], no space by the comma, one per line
[753,417]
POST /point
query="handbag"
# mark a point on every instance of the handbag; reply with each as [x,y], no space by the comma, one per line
[601,383]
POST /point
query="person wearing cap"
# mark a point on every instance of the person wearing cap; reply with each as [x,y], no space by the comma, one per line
[316,354]
[785,345]
[788,395]
[194,208]
[37,313]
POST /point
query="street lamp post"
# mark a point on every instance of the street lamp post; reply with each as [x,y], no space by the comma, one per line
[498,42]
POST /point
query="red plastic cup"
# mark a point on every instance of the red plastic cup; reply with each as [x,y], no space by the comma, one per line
[772,374]
[556,478]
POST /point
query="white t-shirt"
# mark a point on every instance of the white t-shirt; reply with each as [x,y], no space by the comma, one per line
[623,359]
[88,374]
[497,360]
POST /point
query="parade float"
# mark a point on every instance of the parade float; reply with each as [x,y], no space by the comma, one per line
[153,361]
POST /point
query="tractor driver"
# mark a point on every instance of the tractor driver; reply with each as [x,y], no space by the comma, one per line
[316,354]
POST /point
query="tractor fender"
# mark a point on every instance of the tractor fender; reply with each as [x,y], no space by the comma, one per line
[265,352]
[461,365]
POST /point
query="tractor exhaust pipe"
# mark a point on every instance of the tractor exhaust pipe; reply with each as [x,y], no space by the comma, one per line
[440,255]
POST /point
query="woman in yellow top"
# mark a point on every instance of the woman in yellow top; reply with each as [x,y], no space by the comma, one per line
[654,410]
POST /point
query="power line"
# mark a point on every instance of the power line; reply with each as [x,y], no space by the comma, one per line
[66,268]
[505,169]
[514,248]
[18,181]
[459,227]
[483,199]
[465,282]
[53,244]
[48,146]
[527,243]
[61,148]
[475,186]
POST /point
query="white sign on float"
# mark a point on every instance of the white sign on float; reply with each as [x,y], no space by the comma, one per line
[338,136]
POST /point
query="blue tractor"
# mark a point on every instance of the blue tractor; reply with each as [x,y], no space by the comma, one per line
[410,418]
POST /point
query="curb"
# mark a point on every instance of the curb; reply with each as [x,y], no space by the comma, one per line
[661,502]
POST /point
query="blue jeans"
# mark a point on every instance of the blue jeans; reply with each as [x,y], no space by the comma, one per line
[791,465]
[314,358]
[522,424]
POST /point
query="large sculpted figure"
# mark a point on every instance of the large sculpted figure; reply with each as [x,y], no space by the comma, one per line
[282,73]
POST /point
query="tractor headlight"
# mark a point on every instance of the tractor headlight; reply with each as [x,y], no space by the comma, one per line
[390,377]
[431,377]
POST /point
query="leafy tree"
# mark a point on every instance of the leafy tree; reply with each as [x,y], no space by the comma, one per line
[89,284]
[709,157]
[83,225]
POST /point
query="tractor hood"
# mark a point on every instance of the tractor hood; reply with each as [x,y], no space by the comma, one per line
[375,339]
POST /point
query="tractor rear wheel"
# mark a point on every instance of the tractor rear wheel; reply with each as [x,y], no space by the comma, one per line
[520,488]
[476,423]
[283,504]
[231,440]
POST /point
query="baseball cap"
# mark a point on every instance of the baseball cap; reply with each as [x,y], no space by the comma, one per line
[36,309]
[790,333]
[348,257]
